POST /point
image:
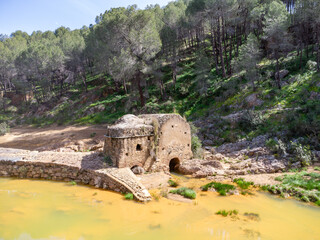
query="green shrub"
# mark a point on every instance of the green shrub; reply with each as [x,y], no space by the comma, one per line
[242,183]
[186,192]
[221,188]
[226,213]
[196,145]
[172,183]
[73,183]
[4,128]
[128,196]
[302,153]
[108,160]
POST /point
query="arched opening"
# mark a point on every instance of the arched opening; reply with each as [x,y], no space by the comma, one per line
[174,165]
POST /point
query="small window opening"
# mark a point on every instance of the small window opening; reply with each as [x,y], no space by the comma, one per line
[139,148]
[148,138]
[172,126]
[127,154]
[188,145]
[185,132]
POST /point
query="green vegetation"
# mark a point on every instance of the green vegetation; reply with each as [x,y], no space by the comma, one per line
[128,196]
[4,128]
[221,188]
[73,183]
[172,183]
[108,160]
[303,185]
[242,183]
[226,213]
[170,61]
[185,192]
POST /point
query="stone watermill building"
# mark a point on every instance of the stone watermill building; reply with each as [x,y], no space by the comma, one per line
[155,142]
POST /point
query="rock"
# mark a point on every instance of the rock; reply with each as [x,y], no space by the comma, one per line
[253,100]
[215,164]
[137,170]
[282,73]
[207,143]
[311,65]
[314,96]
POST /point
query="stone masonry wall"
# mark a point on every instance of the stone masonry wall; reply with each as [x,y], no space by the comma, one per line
[59,172]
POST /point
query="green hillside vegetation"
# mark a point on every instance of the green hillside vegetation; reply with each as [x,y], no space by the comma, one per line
[201,59]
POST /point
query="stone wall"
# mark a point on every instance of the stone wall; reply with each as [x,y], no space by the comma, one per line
[59,172]
[174,141]
[129,152]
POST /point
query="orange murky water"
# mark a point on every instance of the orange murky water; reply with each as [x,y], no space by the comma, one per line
[52,210]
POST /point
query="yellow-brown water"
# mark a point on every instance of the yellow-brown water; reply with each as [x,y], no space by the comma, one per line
[52,210]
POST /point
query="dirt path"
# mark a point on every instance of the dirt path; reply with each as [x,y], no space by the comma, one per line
[55,138]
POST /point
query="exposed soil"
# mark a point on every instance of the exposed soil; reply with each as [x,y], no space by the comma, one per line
[55,138]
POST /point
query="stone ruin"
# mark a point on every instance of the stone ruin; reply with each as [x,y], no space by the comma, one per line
[153,142]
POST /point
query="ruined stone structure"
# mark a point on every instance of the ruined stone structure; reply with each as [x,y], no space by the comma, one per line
[155,142]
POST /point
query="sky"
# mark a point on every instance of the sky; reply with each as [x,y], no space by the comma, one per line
[33,15]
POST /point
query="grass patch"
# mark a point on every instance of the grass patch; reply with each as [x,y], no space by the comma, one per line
[73,183]
[226,213]
[221,188]
[242,183]
[303,185]
[128,196]
[172,183]
[185,192]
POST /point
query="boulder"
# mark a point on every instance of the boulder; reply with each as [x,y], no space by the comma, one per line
[137,170]
[253,100]
[282,73]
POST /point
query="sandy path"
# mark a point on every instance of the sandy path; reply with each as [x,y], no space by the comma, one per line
[53,138]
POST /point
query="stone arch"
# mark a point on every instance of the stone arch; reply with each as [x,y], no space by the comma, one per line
[174,164]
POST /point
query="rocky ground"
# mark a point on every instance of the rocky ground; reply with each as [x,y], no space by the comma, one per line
[243,158]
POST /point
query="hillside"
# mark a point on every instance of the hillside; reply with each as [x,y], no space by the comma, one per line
[238,70]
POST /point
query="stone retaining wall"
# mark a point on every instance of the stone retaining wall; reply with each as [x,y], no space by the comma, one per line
[60,172]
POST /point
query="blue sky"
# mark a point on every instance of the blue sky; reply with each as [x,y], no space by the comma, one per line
[32,15]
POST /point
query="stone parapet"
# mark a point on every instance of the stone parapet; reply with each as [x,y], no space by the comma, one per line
[123,181]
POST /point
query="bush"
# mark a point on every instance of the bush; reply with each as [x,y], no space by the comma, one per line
[302,153]
[221,188]
[4,128]
[242,183]
[186,192]
[172,183]
[225,213]
[250,120]
[128,196]
[196,145]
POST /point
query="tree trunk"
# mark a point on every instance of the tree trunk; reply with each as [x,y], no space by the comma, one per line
[220,49]
[214,51]
[84,81]
[277,75]
[138,78]
[230,56]
[318,54]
